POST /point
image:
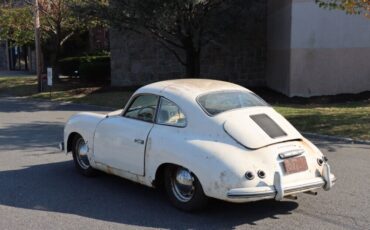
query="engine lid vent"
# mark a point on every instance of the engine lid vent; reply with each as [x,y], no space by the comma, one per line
[268,125]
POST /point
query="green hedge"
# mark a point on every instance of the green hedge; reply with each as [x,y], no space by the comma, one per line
[69,65]
[90,68]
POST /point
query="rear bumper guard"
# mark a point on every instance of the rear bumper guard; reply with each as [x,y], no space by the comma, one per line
[61,146]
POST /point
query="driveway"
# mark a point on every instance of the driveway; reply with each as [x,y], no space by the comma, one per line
[40,188]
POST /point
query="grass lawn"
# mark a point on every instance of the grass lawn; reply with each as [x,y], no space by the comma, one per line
[344,119]
[18,86]
[70,92]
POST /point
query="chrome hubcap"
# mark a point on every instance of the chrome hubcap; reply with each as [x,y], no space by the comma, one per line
[81,154]
[182,183]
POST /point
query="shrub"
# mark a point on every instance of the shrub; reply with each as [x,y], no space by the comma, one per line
[95,69]
[90,68]
[69,65]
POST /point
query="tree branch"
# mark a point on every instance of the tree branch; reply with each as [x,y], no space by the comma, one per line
[66,38]
[160,36]
[173,52]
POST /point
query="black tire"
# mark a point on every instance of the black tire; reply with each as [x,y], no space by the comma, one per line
[87,170]
[198,199]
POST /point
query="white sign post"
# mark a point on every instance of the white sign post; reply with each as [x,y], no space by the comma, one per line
[50,76]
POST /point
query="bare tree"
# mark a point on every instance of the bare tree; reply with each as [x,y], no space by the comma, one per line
[184,27]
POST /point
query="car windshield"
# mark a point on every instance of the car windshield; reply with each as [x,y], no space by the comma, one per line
[215,103]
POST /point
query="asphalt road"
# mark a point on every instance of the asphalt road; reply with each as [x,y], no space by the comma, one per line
[40,188]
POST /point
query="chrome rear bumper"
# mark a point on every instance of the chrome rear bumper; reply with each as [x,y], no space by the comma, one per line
[278,191]
[270,192]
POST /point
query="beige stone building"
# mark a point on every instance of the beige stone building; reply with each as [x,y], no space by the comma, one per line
[312,51]
[298,49]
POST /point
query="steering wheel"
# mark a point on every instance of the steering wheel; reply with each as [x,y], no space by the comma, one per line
[146,113]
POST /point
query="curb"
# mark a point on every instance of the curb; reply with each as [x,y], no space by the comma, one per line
[335,138]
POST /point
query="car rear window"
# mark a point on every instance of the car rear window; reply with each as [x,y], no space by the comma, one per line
[218,102]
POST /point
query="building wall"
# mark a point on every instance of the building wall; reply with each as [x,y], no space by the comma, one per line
[279,22]
[330,51]
[137,60]
[323,53]
[239,57]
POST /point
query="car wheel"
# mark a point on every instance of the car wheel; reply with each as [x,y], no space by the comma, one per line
[184,189]
[80,158]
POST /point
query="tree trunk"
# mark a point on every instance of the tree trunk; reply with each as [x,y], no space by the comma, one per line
[55,65]
[25,56]
[58,49]
[19,57]
[192,62]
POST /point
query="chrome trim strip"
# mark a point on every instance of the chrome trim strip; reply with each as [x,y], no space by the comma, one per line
[305,187]
[253,195]
[291,153]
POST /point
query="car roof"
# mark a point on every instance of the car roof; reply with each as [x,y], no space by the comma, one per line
[189,87]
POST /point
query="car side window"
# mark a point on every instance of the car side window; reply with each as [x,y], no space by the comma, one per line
[143,108]
[170,114]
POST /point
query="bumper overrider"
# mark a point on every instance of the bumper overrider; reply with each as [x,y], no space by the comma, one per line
[279,190]
[61,146]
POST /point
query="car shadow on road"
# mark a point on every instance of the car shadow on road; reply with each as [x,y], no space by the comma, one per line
[39,134]
[57,187]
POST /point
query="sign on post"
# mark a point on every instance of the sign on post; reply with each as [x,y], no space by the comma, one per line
[50,76]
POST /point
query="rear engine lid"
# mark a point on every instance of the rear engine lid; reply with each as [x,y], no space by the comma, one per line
[256,128]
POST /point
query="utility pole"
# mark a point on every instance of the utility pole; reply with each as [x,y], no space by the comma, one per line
[38,46]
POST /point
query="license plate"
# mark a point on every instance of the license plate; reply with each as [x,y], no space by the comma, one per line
[294,165]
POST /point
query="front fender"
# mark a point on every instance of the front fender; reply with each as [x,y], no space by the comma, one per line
[83,124]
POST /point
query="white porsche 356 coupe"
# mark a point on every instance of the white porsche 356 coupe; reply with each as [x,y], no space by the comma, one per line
[199,139]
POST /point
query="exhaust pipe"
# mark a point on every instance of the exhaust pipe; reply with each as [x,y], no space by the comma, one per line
[291,197]
[311,193]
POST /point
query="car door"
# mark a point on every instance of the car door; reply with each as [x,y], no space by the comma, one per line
[120,140]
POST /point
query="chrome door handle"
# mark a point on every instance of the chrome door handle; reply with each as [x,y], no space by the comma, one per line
[139,141]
